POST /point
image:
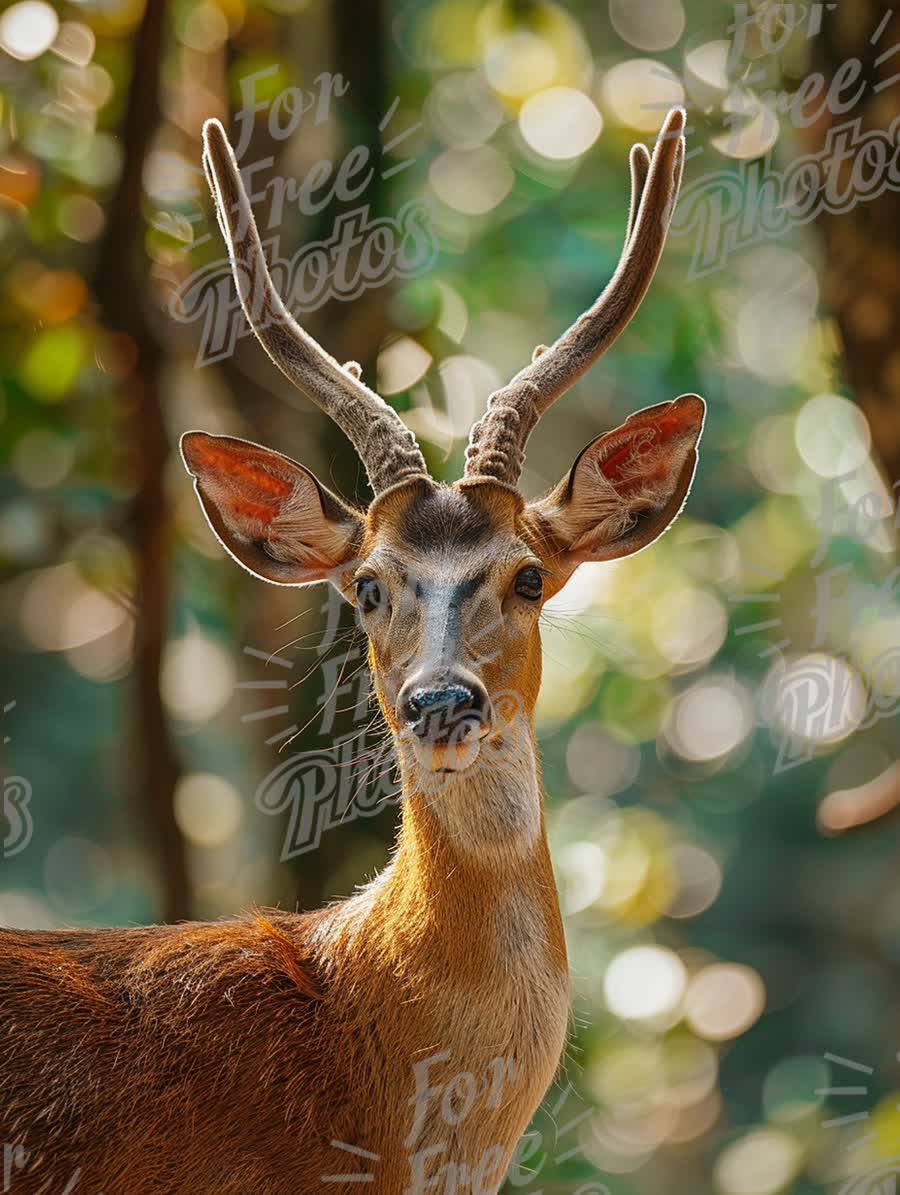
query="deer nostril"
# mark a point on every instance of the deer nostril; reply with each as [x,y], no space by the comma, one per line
[433,713]
[454,696]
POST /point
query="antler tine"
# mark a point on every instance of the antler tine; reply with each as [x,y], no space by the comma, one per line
[497,441]
[387,448]
[639,161]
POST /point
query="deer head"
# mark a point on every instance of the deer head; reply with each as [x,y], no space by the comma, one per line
[449,580]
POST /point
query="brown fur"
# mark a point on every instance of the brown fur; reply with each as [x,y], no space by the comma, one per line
[227,1057]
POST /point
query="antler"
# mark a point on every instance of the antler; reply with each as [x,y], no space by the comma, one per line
[497,441]
[387,448]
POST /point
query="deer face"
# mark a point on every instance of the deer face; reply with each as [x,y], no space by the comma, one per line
[449,593]
[449,581]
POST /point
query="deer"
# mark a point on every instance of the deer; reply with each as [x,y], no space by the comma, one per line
[403,1037]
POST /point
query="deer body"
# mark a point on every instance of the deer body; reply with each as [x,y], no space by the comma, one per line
[228,1057]
[452,960]
[402,1038]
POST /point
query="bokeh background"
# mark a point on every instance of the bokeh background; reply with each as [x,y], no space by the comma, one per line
[733,963]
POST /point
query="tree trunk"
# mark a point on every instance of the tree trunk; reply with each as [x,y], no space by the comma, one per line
[862,287]
[862,245]
[120,290]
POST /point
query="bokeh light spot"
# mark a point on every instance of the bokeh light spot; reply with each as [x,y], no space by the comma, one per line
[639,92]
[709,720]
[560,123]
[472,181]
[651,25]
[763,1162]
[197,678]
[27,29]
[207,808]
[723,1000]
[832,435]
[645,983]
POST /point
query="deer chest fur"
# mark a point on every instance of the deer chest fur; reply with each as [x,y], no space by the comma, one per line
[456,1060]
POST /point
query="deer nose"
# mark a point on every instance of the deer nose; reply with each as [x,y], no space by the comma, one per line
[446,713]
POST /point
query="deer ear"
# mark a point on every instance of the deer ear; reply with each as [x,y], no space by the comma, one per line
[270,513]
[626,487]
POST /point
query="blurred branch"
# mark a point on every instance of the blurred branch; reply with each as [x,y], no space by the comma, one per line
[851,808]
[119,287]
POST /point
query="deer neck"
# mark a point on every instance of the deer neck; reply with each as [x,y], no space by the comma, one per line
[461,945]
[469,894]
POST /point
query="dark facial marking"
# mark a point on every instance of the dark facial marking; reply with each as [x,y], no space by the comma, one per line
[445,515]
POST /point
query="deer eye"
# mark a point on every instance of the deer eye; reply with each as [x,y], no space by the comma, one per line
[369,595]
[530,584]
